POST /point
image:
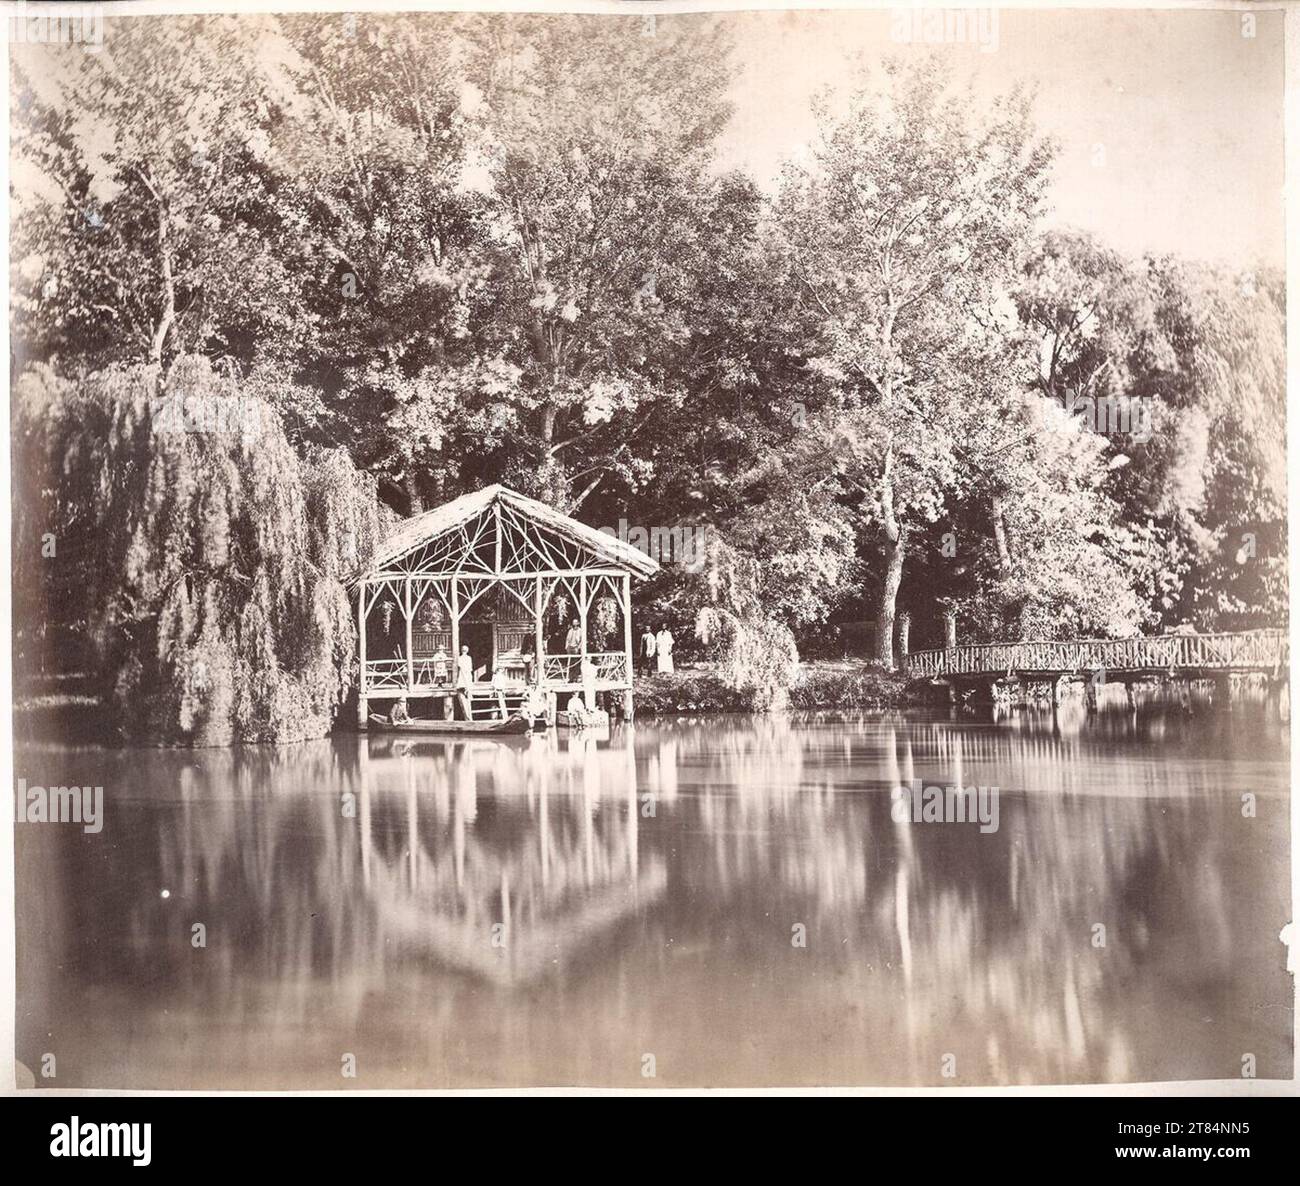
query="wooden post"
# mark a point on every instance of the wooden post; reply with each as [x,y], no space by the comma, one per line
[363,710]
[410,651]
[539,636]
[496,518]
[455,628]
[627,638]
[582,611]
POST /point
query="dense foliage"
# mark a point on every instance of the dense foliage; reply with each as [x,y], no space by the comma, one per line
[456,250]
[204,570]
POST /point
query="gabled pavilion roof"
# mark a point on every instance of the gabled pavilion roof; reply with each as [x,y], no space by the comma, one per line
[513,512]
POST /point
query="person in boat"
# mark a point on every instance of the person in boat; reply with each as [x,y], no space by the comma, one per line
[576,709]
[664,650]
[535,703]
[399,714]
[647,651]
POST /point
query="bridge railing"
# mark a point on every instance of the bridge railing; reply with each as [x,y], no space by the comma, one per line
[1255,650]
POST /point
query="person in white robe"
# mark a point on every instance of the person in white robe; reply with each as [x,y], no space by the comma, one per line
[664,651]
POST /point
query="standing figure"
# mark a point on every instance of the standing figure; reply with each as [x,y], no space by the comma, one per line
[664,650]
[647,652]
[441,666]
[500,682]
[464,680]
[573,648]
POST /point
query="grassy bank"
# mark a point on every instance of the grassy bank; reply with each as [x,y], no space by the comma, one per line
[847,684]
[821,684]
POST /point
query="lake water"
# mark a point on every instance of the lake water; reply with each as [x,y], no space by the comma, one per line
[722,901]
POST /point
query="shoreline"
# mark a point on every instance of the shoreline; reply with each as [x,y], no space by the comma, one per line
[77,716]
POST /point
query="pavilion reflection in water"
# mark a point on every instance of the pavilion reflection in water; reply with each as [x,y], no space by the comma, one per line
[504,903]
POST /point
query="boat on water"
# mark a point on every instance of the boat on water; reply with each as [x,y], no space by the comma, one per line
[597,719]
[514,725]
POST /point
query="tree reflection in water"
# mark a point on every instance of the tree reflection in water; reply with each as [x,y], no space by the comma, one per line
[540,911]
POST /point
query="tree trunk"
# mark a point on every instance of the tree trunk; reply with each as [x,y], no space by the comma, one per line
[1000,536]
[168,317]
[895,549]
[411,484]
[895,534]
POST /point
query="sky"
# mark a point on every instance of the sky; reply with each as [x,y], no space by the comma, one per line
[1170,123]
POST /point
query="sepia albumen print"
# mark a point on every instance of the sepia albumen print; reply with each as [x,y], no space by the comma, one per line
[649,548]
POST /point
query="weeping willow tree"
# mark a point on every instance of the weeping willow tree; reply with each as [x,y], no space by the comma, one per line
[203,560]
[734,623]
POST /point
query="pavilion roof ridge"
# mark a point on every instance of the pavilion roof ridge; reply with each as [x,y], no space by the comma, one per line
[419,529]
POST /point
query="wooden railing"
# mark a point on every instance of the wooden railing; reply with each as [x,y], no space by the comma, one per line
[1256,650]
[611,667]
[383,675]
[427,642]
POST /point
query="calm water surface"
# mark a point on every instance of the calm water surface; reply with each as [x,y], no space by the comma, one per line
[538,911]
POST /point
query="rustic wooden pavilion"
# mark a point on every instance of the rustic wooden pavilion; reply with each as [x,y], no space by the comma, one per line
[507,577]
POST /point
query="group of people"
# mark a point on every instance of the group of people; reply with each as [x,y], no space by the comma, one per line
[534,702]
[656,651]
[400,714]
[655,654]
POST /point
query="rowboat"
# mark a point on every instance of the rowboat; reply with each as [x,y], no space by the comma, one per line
[514,725]
[599,719]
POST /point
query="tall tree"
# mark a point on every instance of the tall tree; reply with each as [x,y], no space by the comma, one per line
[597,138]
[151,235]
[901,232]
[1177,368]
[389,255]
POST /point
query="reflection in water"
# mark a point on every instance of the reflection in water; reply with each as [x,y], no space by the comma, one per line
[539,911]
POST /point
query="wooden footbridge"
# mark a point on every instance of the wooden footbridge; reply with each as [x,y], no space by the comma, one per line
[1127,660]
